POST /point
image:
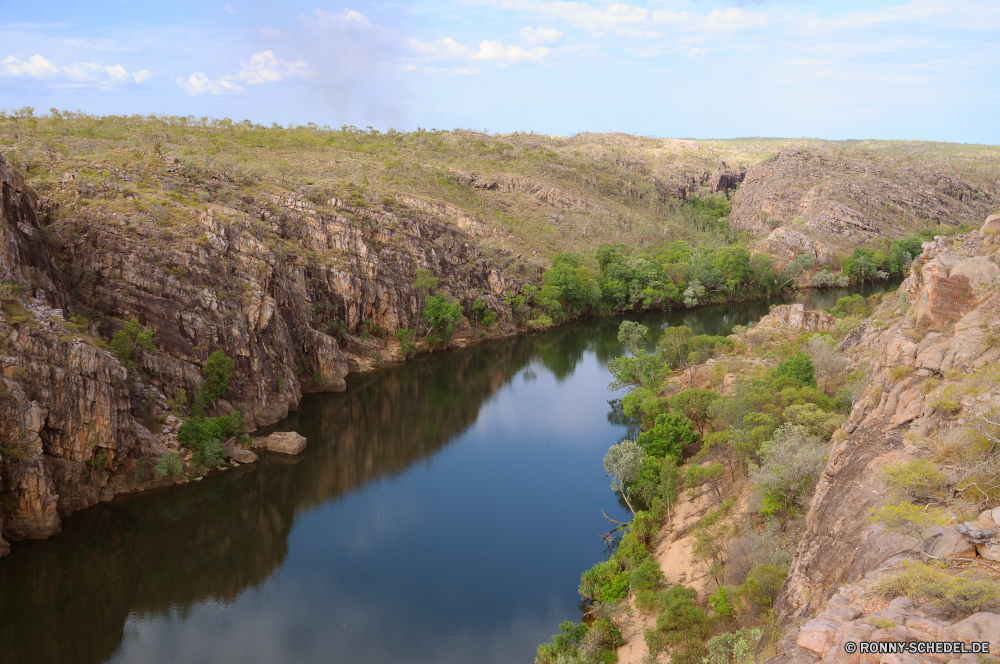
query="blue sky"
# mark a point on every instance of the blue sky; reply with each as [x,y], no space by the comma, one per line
[926,69]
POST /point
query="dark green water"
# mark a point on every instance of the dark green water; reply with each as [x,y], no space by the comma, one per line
[442,512]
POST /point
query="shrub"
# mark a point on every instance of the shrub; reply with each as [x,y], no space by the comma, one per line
[900,372]
[425,281]
[722,604]
[670,434]
[563,645]
[908,519]
[919,478]
[407,346]
[442,316]
[759,591]
[604,582]
[824,279]
[10,290]
[168,465]
[217,373]
[205,435]
[647,580]
[682,626]
[816,421]
[854,306]
[800,368]
[737,647]
[131,338]
[790,466]
[965,592]
[695,404]
[623,462]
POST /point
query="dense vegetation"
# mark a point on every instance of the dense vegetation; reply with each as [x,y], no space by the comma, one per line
[768,431]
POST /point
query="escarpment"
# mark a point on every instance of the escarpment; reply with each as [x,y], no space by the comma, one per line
[817,203]
[297,297]
[930,353]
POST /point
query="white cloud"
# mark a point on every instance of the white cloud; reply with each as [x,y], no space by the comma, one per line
[348,17]
[272,33]
[639,34]
[694,52]
[540,35]
[37,66]
[466,71]
[493,50]
[83,72]
[141,75]
[229,9]
[449,49]
[117,73]
[200,84]
[265,68]
[440,49]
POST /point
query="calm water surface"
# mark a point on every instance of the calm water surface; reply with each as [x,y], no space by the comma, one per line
[442,512]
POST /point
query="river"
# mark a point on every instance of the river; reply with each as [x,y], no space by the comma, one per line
[443,512]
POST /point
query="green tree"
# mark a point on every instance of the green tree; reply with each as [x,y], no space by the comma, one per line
[217,373]
[425,281]
[670,434]
[131,338]
[442,316]
[695,405]
[800,368]
[623,462]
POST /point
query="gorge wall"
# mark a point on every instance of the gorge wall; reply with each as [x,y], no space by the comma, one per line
[74,429]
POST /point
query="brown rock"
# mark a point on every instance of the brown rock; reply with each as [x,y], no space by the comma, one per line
[795,316]
[982,626]
[238,454]
[949,543]
[286,442]
[817,635]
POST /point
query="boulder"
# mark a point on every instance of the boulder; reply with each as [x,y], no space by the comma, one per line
[817,635]
[982,626]
[286,442]
[238,454]
[949,543]
[992,223]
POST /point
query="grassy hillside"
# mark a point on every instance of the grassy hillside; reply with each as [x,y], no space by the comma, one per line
[529,194]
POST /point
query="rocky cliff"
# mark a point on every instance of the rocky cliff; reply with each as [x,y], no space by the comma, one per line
[268,281]
[821,202]
[930,354]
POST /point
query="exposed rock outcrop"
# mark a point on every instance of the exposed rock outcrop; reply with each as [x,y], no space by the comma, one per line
[847,199]
[796,316]
[270,281]
[934,327]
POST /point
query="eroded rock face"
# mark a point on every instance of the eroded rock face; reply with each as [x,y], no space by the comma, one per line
[797,317]
[850,199]
[784,244]
[934,326]
[67,434]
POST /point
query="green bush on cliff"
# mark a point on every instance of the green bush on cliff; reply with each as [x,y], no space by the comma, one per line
[168,465]
[670,434]
[204,435]
[217,374]
[682,627]
[442,316]
[131,338]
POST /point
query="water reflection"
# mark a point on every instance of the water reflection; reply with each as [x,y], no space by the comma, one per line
[451,502]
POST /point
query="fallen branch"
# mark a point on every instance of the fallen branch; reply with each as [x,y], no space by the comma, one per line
[620,523]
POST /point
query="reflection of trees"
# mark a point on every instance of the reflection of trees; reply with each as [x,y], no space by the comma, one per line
[617,417]
[67,599]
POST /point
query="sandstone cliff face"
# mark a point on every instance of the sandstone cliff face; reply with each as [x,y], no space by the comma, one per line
[920,348]
[267,281]
[843,201]
[67,434]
